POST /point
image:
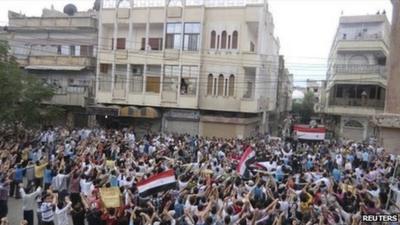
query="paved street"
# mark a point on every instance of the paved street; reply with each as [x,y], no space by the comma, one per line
[15,211]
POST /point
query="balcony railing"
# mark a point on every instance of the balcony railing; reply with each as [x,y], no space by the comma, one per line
[162,3]
[357,102]
[61,60]
[361,69]
[61,22]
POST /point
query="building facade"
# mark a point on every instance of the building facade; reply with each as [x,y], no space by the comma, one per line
[284,97]
[199,67]
[357,76]
[60,49]
[389,121]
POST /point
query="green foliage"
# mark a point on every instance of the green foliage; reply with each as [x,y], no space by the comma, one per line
[305,108]
[21,95]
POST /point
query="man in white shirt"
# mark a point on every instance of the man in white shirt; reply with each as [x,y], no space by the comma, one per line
[29,203]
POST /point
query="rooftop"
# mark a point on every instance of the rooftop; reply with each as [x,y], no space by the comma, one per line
[364,19]
[163,3]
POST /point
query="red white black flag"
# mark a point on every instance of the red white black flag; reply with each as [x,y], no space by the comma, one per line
[157,183]
[247,156]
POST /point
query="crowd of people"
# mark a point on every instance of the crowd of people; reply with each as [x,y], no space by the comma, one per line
[57,174]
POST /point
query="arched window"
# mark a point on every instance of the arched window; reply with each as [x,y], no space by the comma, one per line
[223,40]
[218,42]
[213,37]
[231,85]
[221,85]
[226,88]
[210,84]
[353,123]
[235,37]
[229,41]
[215,86]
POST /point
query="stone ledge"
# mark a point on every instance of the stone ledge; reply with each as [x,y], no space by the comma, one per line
[387,120]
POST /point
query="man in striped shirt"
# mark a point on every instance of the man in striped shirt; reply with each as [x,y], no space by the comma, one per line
[47,209]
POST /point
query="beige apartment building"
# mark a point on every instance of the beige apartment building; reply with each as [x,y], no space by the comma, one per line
[59,48]
[357,75]
[201,67]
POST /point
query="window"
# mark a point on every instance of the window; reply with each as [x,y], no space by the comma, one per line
[215,86]
[249,91]
[104,68]
[153,78]
[221,85]
[223,40]
[189,80]
[339,92]
[229,41]
[86,50]
[72,50]
[235,36]
[210,84]
[213,37]
[218,42]
[154,44]
[105,77]
[171,78]
[231,85]
[252,47]
[120,77]
[353,123]
[59,49]
[173,39]
[226,88]
[120,43]
[136,79]
[191,37]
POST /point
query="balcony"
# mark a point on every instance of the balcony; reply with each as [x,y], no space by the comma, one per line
[60,62]
[361,69]
[60,23]
[162,3]
[357,102]
[70,96]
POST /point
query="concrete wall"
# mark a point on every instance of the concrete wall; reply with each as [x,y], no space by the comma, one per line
[390,139]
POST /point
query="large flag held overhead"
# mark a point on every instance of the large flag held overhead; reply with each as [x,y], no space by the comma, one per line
[247,156]
[306,133]
[157,183]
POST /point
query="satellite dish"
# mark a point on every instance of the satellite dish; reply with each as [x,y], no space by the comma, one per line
[70,9]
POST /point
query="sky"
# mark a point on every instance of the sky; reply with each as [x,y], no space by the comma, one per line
[305,28]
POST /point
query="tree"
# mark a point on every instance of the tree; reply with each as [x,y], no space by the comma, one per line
[21,95]
[305,108]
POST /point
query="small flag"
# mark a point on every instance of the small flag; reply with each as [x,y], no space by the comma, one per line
[157,183]
[244,160]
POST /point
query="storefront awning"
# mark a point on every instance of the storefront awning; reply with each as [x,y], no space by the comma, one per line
[146,112]
[129,111]
[71,68]
[104,110]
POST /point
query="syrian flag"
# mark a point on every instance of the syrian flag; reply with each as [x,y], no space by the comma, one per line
[157,183]
[247,156]
[306,133]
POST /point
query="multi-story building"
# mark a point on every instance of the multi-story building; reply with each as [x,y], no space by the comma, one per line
[284,97]
[315,87]
[59,48]
[200,67]
[356,77]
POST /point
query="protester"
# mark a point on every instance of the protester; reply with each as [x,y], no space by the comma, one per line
[181,179]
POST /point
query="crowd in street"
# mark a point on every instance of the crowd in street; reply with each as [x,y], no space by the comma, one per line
[57,174]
